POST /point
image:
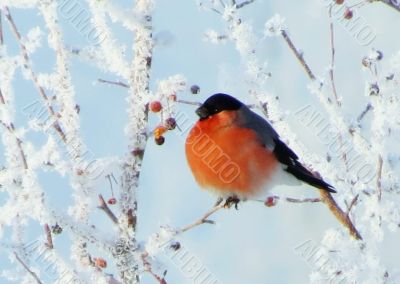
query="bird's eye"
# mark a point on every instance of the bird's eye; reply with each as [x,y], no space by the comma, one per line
[216,110]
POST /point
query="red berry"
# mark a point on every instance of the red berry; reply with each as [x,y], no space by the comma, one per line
[195,89]
[348,14]
[155,106]
[112,201]
[159,140]
[339,2]
[170,123]
[100,262]
[270,201]
[159,131]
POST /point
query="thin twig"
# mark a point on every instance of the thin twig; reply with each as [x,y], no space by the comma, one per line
[103,206]
[245,3]
[204,218]
[353,202]
[364,112]
[34,275]
[11,130]
[117,83]
[332,43]
[188,102]
[342,217]
[298,55]
[33,75]
[49,243]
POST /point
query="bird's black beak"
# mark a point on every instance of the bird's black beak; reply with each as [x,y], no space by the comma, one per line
[202,112]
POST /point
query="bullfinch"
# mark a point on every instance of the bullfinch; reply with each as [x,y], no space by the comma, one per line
[237,154]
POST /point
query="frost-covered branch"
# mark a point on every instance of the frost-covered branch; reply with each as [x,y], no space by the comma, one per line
[395,4]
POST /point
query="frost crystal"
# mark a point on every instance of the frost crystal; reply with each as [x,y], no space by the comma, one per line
[274,26]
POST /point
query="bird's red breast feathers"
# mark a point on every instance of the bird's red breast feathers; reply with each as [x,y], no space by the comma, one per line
[228,158]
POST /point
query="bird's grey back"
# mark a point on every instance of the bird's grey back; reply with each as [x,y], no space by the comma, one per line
[265,131]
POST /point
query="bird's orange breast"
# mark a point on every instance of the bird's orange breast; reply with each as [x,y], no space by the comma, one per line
[228,158]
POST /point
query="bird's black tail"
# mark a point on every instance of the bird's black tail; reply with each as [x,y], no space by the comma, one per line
[287,157]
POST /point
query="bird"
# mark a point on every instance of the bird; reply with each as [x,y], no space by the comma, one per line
[237,154]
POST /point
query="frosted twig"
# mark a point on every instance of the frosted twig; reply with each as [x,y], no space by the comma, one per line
[34,275]
[11,130]
[47,231]
[342,217]
[298,55]
[103,206]
[117,83]
[204,218]
[332,44]
[33,75]
[147,268]
[245,3]
[364,112]
[270,201]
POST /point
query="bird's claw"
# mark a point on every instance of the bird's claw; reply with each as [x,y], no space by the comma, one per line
[232,200]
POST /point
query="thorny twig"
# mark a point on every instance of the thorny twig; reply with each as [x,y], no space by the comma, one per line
[34,275]
[103,206]
[33,75]
[49,243]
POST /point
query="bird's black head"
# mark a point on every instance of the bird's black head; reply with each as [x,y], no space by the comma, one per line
[217,103]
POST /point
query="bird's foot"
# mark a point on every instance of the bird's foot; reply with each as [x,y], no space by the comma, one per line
[232,200]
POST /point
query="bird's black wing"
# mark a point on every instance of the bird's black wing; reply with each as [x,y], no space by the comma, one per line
[287,157]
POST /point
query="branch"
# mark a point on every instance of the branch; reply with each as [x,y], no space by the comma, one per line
[342,217]
[34,275]
[203,219]
[271,201]
[117,83]
[379,177]
[103,206]
[298,55]
[27,66]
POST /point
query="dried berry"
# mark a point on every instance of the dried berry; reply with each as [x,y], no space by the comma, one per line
[348,14]
[339,2]
[112,201]
[170,123]
[195,89]
[159,140]
[270,201]
[155,106]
